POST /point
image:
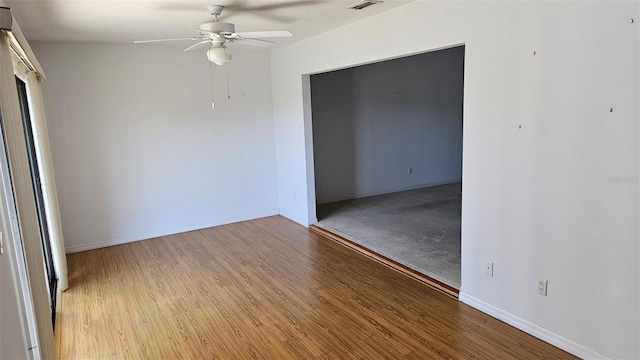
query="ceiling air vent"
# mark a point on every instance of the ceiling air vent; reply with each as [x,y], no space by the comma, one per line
[363,4]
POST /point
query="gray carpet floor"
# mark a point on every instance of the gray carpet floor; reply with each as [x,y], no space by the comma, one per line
[417,228]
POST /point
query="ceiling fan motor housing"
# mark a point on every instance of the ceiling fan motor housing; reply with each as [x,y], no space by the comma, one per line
[221,28]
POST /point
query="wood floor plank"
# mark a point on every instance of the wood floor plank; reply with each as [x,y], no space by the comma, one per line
[266,289]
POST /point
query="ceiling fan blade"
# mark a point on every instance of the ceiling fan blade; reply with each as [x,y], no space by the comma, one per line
[161,40]
[202,31]
[252,42]
[265,34]
[266,11]
[239,6]
[197,45]
[236,6]
[208,32]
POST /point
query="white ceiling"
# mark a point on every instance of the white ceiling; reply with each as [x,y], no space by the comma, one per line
[127,20]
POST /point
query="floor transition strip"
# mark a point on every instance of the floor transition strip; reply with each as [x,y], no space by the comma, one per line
[427,280]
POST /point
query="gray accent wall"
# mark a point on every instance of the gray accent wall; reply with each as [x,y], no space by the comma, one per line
[372,123]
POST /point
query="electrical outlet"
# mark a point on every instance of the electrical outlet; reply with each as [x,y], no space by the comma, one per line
[488,268]
[542,286]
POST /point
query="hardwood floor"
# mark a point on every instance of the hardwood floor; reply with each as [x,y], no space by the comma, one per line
[438,285]
[270,289]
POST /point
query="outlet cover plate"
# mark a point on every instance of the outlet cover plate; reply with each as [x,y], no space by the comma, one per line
[488,268]
[542,286]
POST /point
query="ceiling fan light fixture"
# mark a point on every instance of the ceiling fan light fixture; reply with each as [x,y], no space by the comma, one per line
[219,54]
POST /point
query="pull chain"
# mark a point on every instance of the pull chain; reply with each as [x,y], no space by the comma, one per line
[213,104]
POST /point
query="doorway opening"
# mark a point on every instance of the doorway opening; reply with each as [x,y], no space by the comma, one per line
[387,152]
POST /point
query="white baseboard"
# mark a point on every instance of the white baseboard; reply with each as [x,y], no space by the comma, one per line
[532,329]
[117,241]
[154,233]
[388,191]
[300,220]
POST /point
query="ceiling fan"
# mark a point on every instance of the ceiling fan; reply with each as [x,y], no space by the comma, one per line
[217,33]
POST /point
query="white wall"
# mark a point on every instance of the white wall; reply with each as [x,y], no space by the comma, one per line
[372,123]
[138,151]
[550,175]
